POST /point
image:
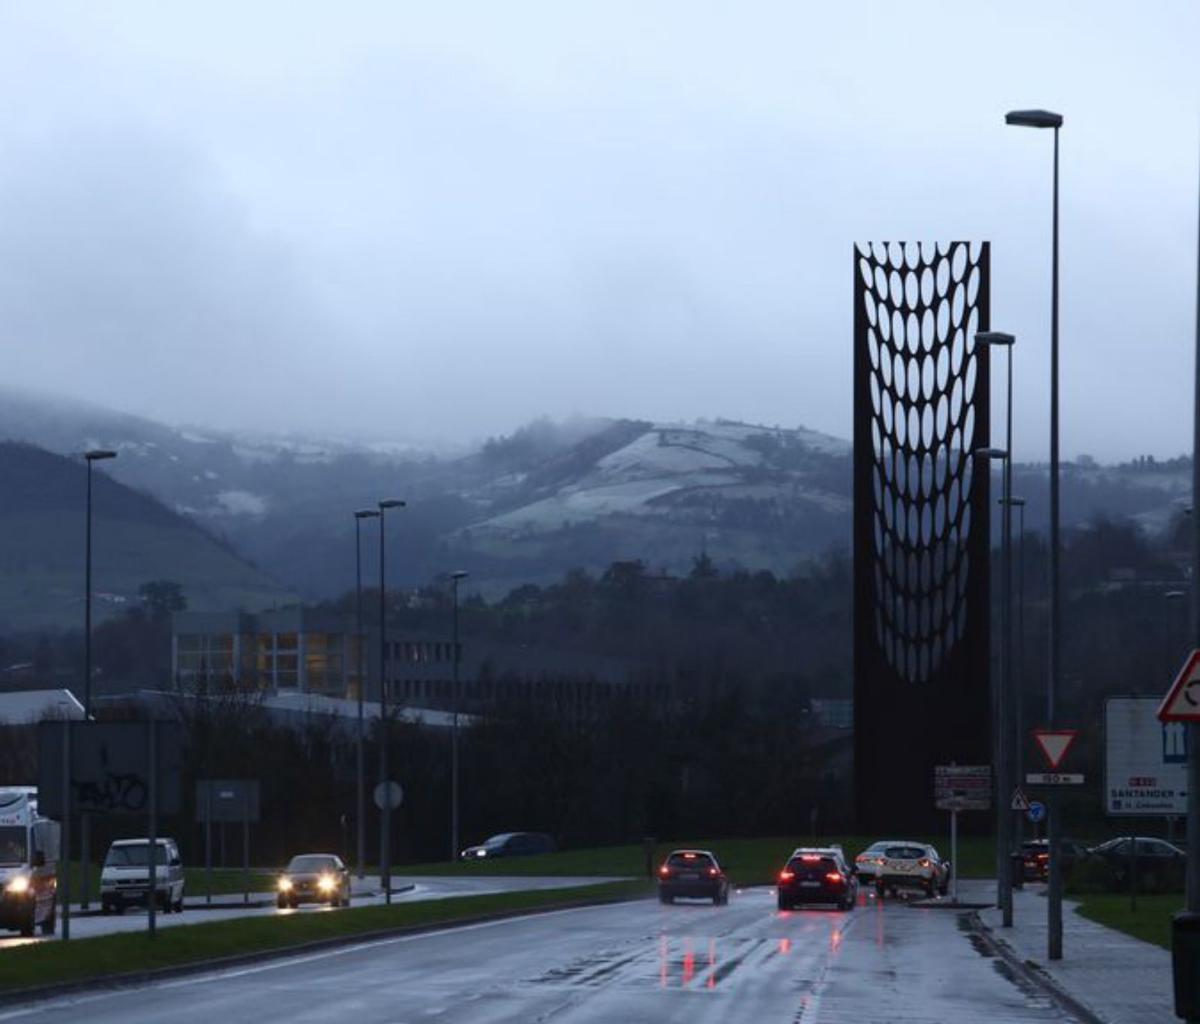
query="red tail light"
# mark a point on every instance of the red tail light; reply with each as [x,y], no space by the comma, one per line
[925,862]
[810,858]
[786,876]
[714,872]
[834,877]
[665,871]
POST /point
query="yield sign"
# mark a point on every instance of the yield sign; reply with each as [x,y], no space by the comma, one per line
[1182,702]
[1055,743]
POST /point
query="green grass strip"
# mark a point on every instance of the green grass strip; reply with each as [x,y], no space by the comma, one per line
[110,956]
[747,861]
[1150,922]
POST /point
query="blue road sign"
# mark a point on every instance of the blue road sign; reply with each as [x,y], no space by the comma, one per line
[1036,812]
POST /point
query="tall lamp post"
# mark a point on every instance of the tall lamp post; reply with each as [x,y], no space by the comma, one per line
[1018,694]
[455,579]
[385,837]
[361,813]
[999,339]
[1000,703]
[1049,119]
[90,457]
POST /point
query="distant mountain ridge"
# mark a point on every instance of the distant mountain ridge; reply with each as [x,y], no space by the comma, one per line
[529,506]
[136,539]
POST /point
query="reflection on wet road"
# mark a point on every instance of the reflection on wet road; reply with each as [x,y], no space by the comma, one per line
[629,963]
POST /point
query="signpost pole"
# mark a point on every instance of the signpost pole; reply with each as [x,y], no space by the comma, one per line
[208,841]
[64,855]
[954,856]
[245,844]
[152,853]
[1193,818]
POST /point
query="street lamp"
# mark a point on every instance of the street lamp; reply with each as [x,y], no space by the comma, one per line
[1048,119]
[385,838]
[359,516]
[1002,696]
[455,578]
[90,457]
[1018,694]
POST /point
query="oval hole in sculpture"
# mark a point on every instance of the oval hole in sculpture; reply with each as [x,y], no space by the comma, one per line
[956,306]
[912,332]
[958,262]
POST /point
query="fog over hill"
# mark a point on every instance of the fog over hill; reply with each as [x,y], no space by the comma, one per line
[527,507]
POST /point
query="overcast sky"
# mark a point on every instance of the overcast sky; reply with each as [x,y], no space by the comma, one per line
[439,220]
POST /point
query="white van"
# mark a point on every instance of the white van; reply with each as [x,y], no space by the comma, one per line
[28,864]
[125,879]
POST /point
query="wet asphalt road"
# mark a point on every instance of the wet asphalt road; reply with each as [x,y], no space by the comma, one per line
[432,887]
[628,963]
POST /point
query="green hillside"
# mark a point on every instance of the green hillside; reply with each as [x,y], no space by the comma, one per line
[135,539]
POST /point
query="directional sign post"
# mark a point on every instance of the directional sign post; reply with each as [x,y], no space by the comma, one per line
[960,787]
[1182,704]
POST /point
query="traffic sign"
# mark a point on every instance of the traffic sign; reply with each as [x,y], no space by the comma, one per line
[1054,744]
[1145,762]
[1020,802]
[388,793]
[962,787]
[1054,778]
[1036,812]
[1182,702]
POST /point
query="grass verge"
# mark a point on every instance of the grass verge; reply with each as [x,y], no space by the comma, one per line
[748,861]
[225,881]
[1150,922]
[111,956]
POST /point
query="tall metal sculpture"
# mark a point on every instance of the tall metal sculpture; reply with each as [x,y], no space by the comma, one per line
[921,523]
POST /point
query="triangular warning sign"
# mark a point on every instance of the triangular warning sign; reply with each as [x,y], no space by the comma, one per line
[1020,802]
[1055,743]
[1182,702]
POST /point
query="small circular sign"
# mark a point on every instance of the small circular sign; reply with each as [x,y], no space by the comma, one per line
[388,794]
[1036,812]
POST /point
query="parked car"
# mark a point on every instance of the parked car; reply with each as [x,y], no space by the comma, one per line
[314,878]
[867,863]
[510,844]
[1159,864]
[28,864]
[125,879]
[1035,858]
[817,875]
[692,873]
[910,865]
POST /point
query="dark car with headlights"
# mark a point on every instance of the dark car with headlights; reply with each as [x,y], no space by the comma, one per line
[817,875]
[314,878]
[1035,858]
[692,874]
[510,844]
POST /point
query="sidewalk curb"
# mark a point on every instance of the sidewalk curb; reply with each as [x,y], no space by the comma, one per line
[1032,971]
[134,979]
[257,902]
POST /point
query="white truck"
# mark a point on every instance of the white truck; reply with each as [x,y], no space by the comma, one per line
[29,847]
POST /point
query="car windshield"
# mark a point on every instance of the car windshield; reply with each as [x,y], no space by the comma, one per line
[499,840]
[689,860]
[134,856]
[904,853]
[311,862]
[13,845]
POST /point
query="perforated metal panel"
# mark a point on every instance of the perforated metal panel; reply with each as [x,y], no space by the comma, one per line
[921,521]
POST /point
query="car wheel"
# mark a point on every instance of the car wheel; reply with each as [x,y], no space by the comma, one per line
[880,890]
[665,897]
[281,902]
[179,904]
[27,925]
[931,891]
[783,903]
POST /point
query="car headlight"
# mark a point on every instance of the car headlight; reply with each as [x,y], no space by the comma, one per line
[285,885]
[18,885]
[481,853]
[326,883]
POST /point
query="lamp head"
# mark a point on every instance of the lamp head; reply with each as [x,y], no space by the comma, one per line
[96,454]
[1034,118]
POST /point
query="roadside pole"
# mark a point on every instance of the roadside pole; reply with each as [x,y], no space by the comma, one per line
[245,845]
[64,854]
[152,856]
[208,842]
[954,856]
